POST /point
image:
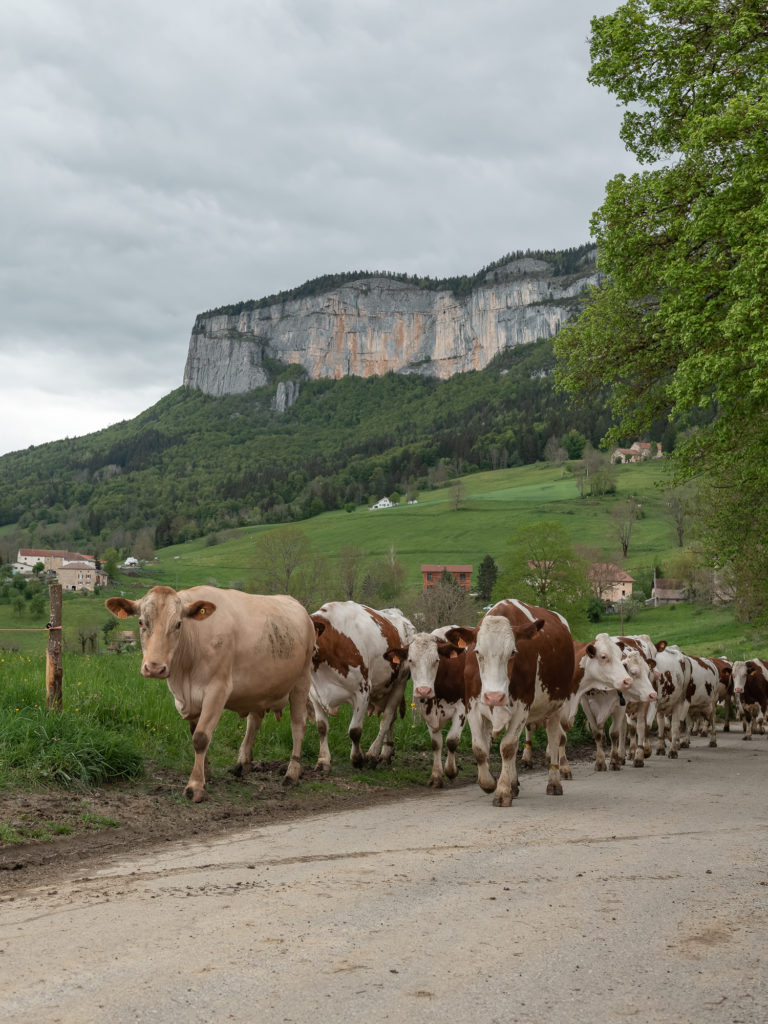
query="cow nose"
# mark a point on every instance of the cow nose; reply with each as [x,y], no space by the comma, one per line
[652,695]
[493,698]
[627,683]
[154,670]
[423,692]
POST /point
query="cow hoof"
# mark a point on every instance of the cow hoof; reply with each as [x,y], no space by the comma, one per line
[290,780]
[527,766]
[615,766]
[554,789]
[566,773]
[726,728]
[713,743]
[746,738]
[638,763]
[357,762]
[239,770]
[436,782]
[600,766]
[195,795]
[324,767]
[672,753]
[504,800]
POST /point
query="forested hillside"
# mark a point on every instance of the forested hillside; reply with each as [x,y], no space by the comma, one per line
[192,464]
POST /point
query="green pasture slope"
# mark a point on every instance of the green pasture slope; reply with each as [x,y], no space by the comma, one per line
[433,531]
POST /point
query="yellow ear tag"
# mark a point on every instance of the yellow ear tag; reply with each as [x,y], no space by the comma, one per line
[202,611]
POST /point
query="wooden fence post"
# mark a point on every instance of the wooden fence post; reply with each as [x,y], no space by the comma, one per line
[53,667]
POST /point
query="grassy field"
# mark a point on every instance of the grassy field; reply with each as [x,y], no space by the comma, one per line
[433,531]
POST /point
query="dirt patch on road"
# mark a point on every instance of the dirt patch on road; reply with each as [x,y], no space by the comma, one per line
[48,834]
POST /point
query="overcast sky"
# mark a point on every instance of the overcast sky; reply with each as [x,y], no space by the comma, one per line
[164,157]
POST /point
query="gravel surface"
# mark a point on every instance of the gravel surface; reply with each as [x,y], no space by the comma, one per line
[639,895]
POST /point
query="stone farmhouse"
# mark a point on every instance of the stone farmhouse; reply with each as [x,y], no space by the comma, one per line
[610,583]
[74,570]
[639,451]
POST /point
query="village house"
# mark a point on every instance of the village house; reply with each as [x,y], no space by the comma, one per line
[432,574]
[639,451]
[74,570]
[610,583]
[383,503]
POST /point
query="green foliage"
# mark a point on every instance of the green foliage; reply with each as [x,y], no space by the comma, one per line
[486,578]
[680,324]
[541,567]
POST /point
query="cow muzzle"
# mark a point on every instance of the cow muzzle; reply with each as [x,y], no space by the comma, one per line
[423,692]
[494,698]
[154,670]
[626,683]
[652,696]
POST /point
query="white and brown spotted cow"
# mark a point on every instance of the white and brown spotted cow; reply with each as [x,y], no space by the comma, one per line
[598,666]
[638,715]
[702,696]
[675,671]
[437,674]
[750,685]
[223,649]
[350,666]
[519,667]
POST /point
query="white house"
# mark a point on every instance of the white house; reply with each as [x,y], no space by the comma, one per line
[383,503]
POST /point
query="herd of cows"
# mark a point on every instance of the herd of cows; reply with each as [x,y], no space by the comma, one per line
[518,669]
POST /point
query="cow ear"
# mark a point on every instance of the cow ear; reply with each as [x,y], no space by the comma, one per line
[461,636]
[122,607]
[621,645]
[529,631]
[661,645]
[396,655]
[199,610]
[591,650]
[319,628]
[651,662]
[449,650]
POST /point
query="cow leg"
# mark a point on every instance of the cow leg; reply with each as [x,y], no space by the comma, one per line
[638,755]
[661,725]
[555,741]
[297,702]
[616,760]
[526,762]
[597,735]
[324,751]
[678,715]
[452,741]
[507,784]
[436,740]
[244,761]
[480,729]
[747,722]
[727,723]
[207,764]
[565,768]
[359,705]
[383,747]
[204,728]
[686,730]
[711,726]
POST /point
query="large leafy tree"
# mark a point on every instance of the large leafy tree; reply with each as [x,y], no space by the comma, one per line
[681,320]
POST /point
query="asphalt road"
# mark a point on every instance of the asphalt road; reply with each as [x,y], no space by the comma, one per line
[640,895]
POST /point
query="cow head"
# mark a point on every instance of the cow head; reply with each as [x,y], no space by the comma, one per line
[424,653]
[161,613]
[739,672]
[495,648]
[603,666]
[640,672]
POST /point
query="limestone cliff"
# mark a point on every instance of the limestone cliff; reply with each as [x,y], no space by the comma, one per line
[373,325]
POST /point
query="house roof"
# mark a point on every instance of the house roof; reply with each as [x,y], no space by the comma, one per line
[446,568]
[54,553]
[609,572]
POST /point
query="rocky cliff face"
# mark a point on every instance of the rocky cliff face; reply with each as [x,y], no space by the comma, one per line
[374,325]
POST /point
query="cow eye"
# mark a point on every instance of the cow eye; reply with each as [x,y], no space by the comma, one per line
[141,624]
[178,624]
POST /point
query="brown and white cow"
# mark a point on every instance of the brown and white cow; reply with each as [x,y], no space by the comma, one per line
[702,696]
[350,666]
[437,674]
[675,671]
[599,706]
[750,685]
[223,649]
[599,666]
[519,667]
[638,715]
[725,688]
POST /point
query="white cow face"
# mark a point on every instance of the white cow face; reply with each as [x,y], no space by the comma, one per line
[739,676]
[639,672]
[495,647]
[161,614]
[423,659]
[603,666]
